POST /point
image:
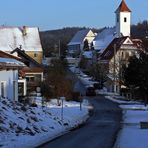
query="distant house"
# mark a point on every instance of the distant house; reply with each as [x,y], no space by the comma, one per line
[9,78]
[24,37]
[76,45]
[33,72]
[114,57]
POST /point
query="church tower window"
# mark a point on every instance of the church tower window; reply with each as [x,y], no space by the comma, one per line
[125,19]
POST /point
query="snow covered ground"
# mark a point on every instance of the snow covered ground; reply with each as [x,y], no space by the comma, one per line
[131,135]
[25,126]
[84,79]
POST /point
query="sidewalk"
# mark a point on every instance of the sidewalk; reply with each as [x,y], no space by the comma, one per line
[131,135]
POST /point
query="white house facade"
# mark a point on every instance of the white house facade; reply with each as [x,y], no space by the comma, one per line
[77,42]
[9,78]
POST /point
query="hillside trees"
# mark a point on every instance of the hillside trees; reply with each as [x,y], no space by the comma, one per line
[140,30]
[86,45]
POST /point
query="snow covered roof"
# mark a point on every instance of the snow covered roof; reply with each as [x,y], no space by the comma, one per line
[79,37]
[4,62]
[104,38]
[88,54]
[123,7]
[109,51]
[26,37]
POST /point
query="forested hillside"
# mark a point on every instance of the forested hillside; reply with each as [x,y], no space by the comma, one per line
[50,39]
[140,30]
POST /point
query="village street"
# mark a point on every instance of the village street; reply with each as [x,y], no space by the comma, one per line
[99,131]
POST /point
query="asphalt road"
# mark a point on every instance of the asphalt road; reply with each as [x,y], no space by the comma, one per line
[100,131]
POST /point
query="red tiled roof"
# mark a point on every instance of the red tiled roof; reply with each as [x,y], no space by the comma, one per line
[123,7]
[32,70]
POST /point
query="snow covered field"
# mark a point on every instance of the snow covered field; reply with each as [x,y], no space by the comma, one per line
[24,126]
[131,135]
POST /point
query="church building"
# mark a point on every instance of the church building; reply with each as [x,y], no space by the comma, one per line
[118,47]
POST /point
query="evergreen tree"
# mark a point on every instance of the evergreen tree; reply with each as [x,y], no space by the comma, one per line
[136,74]
[86,45]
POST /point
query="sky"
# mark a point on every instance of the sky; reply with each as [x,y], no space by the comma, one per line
[56,14]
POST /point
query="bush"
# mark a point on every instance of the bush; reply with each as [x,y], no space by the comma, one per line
[76,96]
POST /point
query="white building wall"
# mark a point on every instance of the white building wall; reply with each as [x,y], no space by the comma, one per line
[10,79]
[123,27]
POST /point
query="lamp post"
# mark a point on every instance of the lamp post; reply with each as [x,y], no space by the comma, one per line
[62,99]
[81,100]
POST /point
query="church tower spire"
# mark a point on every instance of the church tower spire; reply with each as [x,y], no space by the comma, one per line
[123,20]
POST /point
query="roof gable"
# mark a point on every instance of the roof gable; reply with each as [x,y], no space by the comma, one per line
[128,41]
[80,36]
[123,7]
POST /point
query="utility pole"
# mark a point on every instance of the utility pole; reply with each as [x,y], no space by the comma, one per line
[114,72]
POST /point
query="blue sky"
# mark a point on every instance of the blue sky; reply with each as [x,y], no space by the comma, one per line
[55,14]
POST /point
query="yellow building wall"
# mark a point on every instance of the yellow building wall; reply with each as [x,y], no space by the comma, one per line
[36,55]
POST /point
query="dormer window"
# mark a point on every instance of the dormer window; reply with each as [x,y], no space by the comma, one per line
[35,55]
[125,19]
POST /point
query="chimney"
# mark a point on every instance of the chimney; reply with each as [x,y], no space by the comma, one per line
[24,31]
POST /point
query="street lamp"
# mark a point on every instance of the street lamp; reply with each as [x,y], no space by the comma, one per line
[62,99]
[81,100]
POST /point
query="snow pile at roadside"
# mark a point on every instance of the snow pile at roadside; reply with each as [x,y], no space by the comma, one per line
[131,135]
[30,126]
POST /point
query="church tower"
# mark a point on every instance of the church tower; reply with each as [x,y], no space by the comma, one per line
[123,20]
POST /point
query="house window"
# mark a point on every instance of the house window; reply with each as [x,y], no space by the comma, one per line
[127,55]
[35,54]
[30,78]
[2,85]
[125,19]
[122,54]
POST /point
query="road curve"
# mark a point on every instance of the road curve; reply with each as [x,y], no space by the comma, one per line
[100,131]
